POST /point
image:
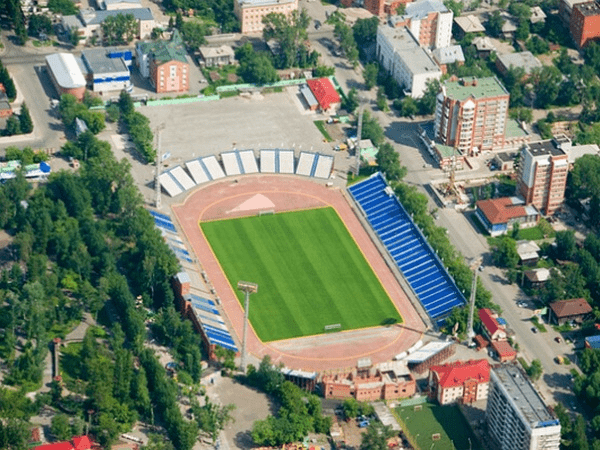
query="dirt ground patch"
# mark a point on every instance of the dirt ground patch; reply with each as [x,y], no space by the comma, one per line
[250,406]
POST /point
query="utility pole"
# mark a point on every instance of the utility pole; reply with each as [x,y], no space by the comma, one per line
[247,288]
[158,167]
[474,267]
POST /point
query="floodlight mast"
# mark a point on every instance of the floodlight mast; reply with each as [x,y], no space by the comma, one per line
[474,267]
[247,288]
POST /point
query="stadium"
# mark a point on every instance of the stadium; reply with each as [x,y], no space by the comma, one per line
[343,274]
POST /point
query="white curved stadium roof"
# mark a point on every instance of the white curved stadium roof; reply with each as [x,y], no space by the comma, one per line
[66,70]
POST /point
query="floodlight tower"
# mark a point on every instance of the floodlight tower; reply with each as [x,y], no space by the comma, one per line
[247,288]
[474,267]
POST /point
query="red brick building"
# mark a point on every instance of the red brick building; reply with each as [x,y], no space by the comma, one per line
[325,94]
[460,381]
[542,176]
[387,381]
[585,23]
[165,63]
[471,114]
[380,8]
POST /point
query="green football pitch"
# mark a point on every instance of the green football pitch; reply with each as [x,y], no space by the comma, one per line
[447,421]
[310,273]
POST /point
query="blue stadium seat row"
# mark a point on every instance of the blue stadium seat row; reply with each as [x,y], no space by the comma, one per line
[203,307]
[407,246]
[211,318]
[161,216]
[201,299]
[165,225]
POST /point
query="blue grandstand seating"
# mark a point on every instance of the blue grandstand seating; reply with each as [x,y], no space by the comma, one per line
[208,315]
[407,246]
[160,216]
[165,225]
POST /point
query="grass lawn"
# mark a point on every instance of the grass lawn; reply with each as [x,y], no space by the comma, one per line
[309,271]
[448,421]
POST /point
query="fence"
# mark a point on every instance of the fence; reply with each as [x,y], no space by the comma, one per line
[282,83]
[181,101]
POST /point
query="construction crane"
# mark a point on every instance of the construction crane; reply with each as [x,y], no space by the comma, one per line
[474,267]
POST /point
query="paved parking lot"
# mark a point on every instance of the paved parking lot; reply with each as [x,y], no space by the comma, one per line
[207,128]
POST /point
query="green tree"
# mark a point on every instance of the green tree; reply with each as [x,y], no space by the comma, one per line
[535,370]
[289,32]
[370,75]
[39,23]
[25,122]
[566,245]
[388,161]
[521,114]
[12,126]
[371,129]
[426,103]
[350,406]
[547,84]
[456,6]
[194,34]
[64,7]
[120,29]
[213,418]
[60,427]
[323,71]
[505,252]
[350,101]
[376,437]
[365,31]
[495,23]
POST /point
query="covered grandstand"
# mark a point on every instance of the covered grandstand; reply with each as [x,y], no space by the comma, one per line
[407,246]
[176,180]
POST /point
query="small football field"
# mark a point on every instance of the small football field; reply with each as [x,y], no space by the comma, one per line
[310,273]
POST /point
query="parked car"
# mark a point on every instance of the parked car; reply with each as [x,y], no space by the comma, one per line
[534,330]
[558,339]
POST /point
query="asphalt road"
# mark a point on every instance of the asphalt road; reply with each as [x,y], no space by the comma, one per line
[27,67]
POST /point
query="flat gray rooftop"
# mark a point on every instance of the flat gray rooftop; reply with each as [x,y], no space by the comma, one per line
[524,396]
[98,62]
[405,45]
[542,148]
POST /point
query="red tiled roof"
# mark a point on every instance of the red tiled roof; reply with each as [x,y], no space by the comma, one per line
[500,210]
[489,322]
[82,443]
[79,443]
[503,348]
[324,92]
[573,307]
[456,373]
[66,445]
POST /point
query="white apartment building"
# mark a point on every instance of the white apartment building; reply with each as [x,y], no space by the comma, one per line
[401,56]
[518,418]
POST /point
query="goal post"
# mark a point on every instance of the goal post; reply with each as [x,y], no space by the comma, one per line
[266,212]
[333,327]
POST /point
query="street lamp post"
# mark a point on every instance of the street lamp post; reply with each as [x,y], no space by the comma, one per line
[247,288]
